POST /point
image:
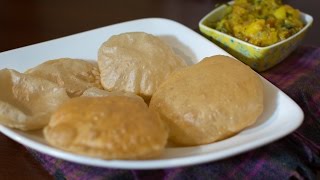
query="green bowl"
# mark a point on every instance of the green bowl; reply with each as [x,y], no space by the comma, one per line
[258,58]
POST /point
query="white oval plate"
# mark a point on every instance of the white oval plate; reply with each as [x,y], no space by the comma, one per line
[280,117]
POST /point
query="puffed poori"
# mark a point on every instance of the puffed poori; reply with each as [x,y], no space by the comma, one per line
[26,102]
[113,127]
[136,62]
[209,101]
[96,92]
[75,75]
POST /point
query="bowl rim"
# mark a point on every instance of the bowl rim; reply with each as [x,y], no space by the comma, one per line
[306,17]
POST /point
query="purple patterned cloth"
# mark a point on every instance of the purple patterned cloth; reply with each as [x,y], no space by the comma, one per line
[296,156]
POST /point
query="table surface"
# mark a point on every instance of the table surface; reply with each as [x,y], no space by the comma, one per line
[28,22]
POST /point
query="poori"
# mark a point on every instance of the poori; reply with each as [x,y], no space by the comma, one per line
[96,92]
[113,127]
[136,62]
[209,101]
[26,102]
[75,75]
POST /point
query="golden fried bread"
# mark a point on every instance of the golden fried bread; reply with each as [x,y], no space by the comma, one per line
[73,74]
[209,101]
[136,62]
[113,127]
[26,102]
[96,92]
